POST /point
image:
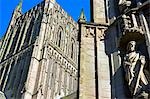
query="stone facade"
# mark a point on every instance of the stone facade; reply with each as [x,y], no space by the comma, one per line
[45,54]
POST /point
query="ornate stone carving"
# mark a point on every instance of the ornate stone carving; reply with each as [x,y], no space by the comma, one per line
[100,33]
[89,32]
[124,4]
[134,63]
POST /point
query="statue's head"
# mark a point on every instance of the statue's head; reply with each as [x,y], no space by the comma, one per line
[131,46]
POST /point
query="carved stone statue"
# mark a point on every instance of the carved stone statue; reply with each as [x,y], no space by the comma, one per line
[134,63]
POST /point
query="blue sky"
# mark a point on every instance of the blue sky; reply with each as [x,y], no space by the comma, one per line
[73,7]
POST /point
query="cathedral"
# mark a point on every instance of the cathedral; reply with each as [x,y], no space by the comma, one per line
[45,54]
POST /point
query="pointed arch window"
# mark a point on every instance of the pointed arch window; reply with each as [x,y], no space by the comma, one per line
[13,45]
[29,31]
[20,39]
[59,40]
[36,28]
[60,35]
[72,48]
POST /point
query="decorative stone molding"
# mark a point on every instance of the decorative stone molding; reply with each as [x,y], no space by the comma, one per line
[124,5]
[70,68]
[101,33]
[89,32]
[130,30]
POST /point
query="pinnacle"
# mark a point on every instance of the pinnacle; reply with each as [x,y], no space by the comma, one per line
[82,17]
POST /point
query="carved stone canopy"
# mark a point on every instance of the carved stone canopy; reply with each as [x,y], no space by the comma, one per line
[130,36]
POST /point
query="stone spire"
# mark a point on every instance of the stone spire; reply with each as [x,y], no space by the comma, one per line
[19,6]
[82,17]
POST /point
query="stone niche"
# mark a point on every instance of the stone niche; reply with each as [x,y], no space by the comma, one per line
[135,64]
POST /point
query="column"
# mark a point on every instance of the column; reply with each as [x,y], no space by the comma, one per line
[87,65]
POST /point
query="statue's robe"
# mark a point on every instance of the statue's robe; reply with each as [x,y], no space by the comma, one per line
[133,65]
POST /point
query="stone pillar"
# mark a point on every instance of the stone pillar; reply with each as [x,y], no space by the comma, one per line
[44,75]
[87,66]
[32,79]
[34,65]
[104,88]
[98,11]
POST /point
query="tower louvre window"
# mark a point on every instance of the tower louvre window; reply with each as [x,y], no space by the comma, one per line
[4,76]
[15,40]
[29,31]
[20,40]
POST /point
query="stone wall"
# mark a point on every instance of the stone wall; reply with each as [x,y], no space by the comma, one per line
[94,80]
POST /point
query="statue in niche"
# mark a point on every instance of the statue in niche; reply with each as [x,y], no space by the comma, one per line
[134,63]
